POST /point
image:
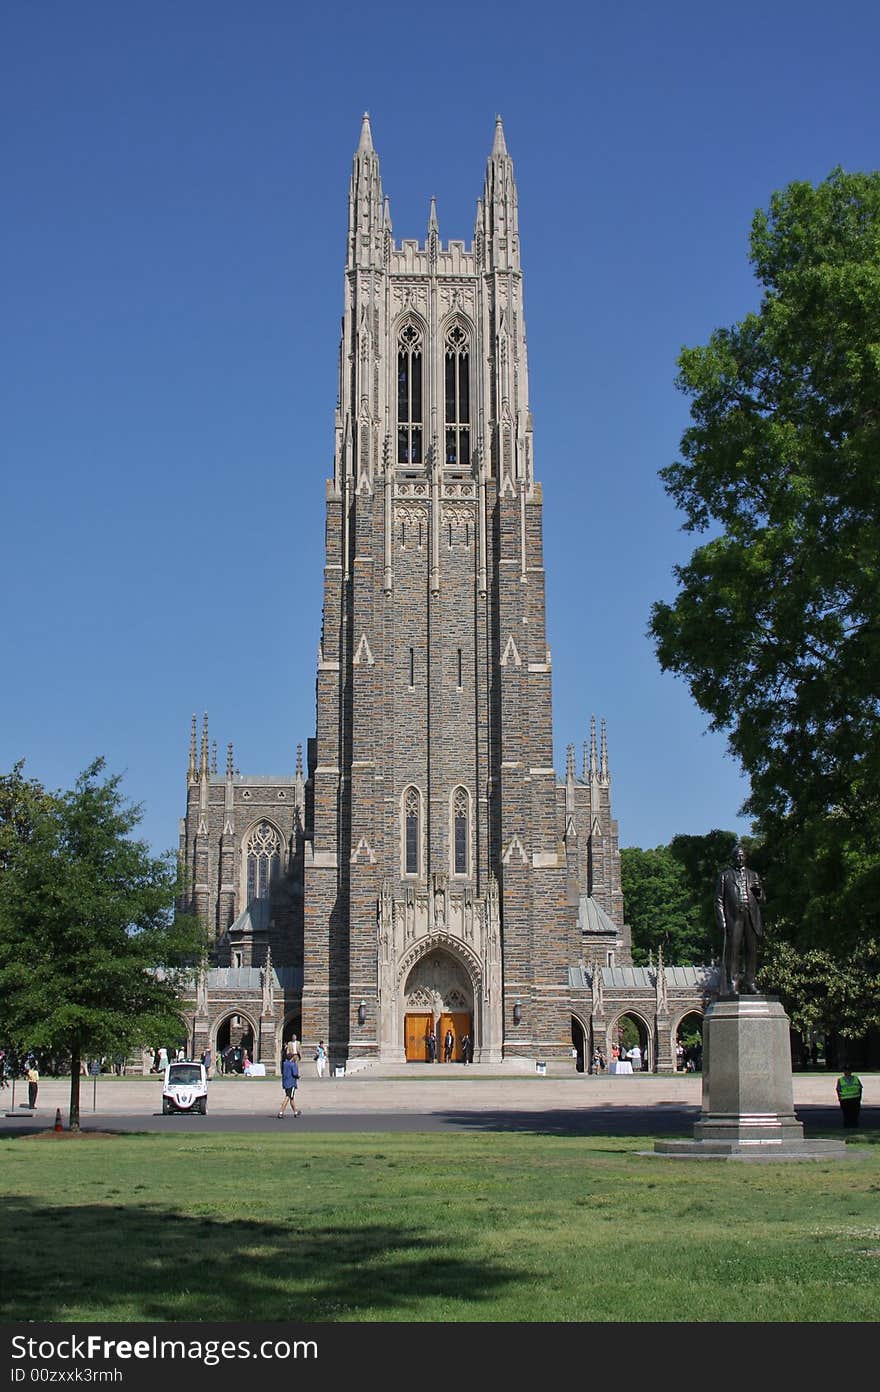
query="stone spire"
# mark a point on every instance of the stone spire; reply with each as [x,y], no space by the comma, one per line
[593,771]
[366,205]
[604,777]
[499,207]
[229,799]
[192,773]
[203,761]
[660,983]
[569,780]
[366,141]
[213,756]
[204,773]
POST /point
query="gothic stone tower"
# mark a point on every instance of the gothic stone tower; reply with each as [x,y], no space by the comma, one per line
[430,871]
[443,867]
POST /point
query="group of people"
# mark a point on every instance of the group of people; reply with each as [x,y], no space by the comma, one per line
[620,1054]
[162,1057]
[465,1047]
[688,1057]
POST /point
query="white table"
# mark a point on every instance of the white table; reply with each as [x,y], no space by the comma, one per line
[620,1067]
[256,1070]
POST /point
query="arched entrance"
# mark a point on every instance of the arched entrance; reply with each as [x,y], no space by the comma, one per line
[235,1038]
[632,1038]
[292,1026]
[438,1001]
[580,1043]
[688,1044]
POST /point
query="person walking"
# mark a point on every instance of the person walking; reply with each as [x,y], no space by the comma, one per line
[849,1095]
[465,1048]
[33,1082]
[320,1059]
[290,1083]
[448,1046]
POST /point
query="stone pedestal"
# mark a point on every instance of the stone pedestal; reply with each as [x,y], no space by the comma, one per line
[748,1102]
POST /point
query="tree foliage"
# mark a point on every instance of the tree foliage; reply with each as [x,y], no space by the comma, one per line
[659,907]
[92,957]
[823,992]
[776,623]
[669,897]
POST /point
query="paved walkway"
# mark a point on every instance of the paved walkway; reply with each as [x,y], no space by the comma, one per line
[417,1089]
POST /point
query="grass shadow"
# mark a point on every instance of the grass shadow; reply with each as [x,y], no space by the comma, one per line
[155,1263]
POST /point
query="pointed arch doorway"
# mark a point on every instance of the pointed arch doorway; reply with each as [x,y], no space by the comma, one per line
[438,997]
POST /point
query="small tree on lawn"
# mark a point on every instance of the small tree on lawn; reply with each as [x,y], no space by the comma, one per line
[93,958]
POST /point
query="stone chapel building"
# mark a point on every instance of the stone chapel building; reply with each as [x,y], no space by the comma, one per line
[427,869]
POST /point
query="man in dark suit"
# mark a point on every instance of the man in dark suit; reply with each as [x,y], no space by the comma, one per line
[738,901]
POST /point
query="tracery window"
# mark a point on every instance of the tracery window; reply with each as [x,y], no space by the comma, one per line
[263,861]
[458,399]
[460,811]
[409,395]
[411,818]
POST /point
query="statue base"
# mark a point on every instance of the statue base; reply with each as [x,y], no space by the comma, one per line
[748,1100]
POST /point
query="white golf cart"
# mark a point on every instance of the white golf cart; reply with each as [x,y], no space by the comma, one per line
[185,1088]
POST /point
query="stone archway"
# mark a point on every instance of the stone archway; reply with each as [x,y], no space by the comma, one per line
[581,1045]
[688,1036]
[628,1029]
[439,996]
[237,1032]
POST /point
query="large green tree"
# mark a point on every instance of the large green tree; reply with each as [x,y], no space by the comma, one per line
[92,955]
[776,623]
[659,907]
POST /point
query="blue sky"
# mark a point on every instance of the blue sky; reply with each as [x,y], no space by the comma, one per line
[175,178]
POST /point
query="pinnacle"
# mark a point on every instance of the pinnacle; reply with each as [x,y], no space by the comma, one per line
[366,140]
[499,146]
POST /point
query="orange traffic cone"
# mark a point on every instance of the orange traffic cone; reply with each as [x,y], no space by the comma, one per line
[58,1123]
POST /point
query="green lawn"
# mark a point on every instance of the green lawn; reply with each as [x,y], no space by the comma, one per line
[486,1227]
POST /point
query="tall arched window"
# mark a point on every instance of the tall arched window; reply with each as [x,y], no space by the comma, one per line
[411,817]
[409,395]
[263,851]
[458,399]
[460,819]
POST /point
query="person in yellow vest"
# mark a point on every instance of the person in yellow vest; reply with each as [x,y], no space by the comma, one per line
[849,1095]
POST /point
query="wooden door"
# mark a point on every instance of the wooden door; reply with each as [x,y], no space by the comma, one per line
[461,1026]
[447,1022]
[415,1028]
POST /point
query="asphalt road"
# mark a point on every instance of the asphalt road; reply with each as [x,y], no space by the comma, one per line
[661,1120]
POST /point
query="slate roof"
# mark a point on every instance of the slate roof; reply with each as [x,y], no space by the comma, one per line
[592,918]
[643,978]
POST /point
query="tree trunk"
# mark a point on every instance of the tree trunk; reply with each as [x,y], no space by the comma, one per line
[73,1119]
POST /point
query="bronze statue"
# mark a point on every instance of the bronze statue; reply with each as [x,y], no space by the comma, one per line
[738,900]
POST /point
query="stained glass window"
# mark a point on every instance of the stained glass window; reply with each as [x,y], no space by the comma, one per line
[460,831]
[411,808]
[458,403]
[263,861]
[409,396]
